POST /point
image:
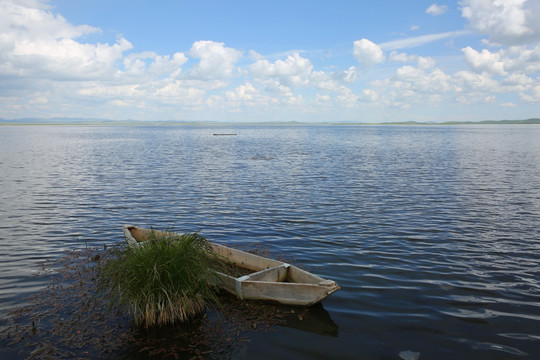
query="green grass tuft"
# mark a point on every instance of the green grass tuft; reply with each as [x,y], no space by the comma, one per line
[167,279]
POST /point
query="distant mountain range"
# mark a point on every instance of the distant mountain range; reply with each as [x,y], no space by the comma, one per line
[89,121]
[526,121]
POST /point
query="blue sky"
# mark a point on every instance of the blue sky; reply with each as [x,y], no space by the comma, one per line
[344,61]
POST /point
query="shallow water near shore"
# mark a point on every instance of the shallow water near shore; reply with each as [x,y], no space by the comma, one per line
[433,232]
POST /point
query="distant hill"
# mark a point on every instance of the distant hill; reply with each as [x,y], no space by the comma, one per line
[90,121]
[526,121]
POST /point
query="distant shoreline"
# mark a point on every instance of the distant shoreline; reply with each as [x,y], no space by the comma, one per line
[98,122]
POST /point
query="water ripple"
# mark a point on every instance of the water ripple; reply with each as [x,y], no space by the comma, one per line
[432,232]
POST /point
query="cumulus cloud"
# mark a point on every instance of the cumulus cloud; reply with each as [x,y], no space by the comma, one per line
[484,61]
[216,61]
[436,10]
[418,84]
[40,50]
[518,83]
[423,79]
[248,95]
[293,65]
[38,43]
[370,95]
[284,79]
[367,52]
[426,62]
[401,57]
[177,92]
[475,81]
[245,92]
[166,64]
[147,65]
[294,71]
[522,59]
[346,76]
[508,22]
[533,95]
[506,61]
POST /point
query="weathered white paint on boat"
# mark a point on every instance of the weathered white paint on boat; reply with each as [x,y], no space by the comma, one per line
[271,280]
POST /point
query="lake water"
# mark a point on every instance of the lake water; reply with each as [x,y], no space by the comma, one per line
[433,232]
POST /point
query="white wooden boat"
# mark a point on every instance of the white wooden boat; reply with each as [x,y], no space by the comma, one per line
[270,280]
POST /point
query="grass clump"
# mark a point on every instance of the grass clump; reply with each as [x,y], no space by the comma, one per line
[165,280]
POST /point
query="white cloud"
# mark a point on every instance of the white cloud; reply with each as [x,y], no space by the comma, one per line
[293,65]
[534,95]
[177,92]
[247,95]
[149,63]
[419,40]
[25,19]
[322,80]
[521,58]
[242,93]
[506,61]
[284,80]
[401,57]
[40,50]
[322,99]
[474,99]
[505,22]
[216,60]
[426,62]
[96,89]
[370,95]
[421,84]
[37,43]
[165,64]
[518,82]
[292,72]
[436,10]
[346,76]
[484,61]
[482,83]
[367,52]
[39,100]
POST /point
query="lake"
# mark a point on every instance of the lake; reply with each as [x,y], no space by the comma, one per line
[433,232]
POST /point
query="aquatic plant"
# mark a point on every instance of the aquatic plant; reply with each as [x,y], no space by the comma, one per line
[167,279]
[69,319]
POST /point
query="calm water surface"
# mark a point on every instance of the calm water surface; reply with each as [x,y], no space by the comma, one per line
[433,232]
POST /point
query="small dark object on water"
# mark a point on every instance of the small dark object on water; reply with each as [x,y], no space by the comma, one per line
[225,134]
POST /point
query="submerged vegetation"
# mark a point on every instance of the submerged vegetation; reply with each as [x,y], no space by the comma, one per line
[88,305]
[72,317]
[169,279]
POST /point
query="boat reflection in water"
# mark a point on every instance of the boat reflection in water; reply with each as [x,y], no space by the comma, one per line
[314,319]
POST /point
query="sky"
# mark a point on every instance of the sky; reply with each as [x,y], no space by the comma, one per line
[259,61]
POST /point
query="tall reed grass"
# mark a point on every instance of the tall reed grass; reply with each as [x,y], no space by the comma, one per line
[167,279]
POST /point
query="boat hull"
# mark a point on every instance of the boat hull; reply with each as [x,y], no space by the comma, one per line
[269,280]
